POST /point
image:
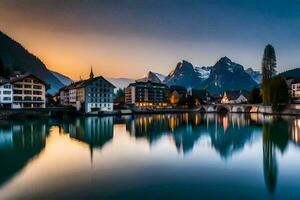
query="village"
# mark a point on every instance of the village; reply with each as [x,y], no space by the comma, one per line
[97,96]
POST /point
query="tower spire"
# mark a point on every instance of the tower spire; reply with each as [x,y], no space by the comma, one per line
[91,73]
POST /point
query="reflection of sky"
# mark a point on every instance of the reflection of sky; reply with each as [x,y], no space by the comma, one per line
[127,165]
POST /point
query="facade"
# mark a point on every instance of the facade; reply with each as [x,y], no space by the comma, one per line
[295,90]
[99,95]
[5,94]
[147,94]
[234,97]
[177,93]
[92,95]
[28,91]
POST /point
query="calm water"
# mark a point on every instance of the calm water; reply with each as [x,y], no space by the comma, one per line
[151,156]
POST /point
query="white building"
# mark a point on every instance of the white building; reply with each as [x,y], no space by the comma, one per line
[6,95]
[234,97]
[295,91]
[92,95]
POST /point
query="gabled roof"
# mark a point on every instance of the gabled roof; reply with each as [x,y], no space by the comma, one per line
[233,95]
[96,78]
[21,77]
[83,83]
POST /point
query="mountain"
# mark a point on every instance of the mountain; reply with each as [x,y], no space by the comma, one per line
[203,72]
[227,75]
[255,75]
[183,75]
[16,58]
[153,77]
[293,73]
[120,83]
[62,78]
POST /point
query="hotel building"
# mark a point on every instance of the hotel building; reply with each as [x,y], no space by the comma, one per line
[28,91]
[147,94]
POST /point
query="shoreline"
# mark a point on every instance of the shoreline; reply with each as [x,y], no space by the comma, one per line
[24,114]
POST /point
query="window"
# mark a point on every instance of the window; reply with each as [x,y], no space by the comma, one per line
[17,91]
[27,98]
[27,86]
[18,85]
[37,92]
[27,92]
[17,98]
[27,80]
[37,87]
[7,86]
[36,81]
[6,92]
[6,98]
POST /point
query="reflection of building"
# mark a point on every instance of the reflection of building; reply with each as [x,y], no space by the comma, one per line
[147,94]
[295,133]
[94,131]
[235,97]
[19,143]
[91,95]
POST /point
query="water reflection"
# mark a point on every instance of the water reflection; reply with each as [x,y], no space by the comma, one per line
[21,142]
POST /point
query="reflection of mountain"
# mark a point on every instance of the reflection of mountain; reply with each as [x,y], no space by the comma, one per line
[19,144]
[227,135]
[94,131]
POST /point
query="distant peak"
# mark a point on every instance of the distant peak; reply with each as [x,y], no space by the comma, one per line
[224,59]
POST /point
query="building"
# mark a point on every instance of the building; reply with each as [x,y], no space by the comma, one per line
[5,94]
[235,97]
[28,91]
[91,95]
[147,94]
[294,90]
[177,95]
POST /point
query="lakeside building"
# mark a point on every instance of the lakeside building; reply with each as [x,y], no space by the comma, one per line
[294,90]
[5,93]
[235,97]
[92,95]
[147,94]
[23,91]
[177,94]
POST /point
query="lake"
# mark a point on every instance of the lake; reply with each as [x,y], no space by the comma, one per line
[188,156]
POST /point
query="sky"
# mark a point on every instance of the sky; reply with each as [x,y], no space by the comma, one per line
[128,38]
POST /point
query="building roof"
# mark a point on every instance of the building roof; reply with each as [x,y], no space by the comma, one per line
[83,83]
[233,95]
[142,83]
[179,89]
[21,77]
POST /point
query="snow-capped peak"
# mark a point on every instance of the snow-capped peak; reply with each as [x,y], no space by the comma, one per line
[202,72]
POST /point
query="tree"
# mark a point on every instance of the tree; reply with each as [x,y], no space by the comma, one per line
[255,96]
[269,62]
[279,93]
[120,96]
[268,71]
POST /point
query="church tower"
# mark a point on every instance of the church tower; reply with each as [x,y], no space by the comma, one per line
[91,73]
